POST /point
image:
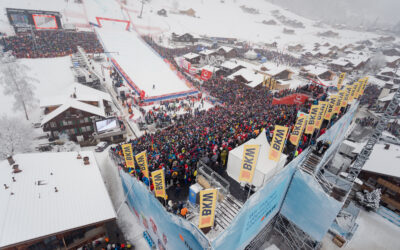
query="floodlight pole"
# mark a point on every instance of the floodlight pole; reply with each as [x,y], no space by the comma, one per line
[141,10]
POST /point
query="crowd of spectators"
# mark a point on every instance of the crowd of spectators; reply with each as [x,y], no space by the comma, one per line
[50,43]
[209,135]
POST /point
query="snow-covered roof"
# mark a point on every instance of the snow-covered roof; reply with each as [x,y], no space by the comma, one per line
[229,65]
[82,92]
[384,161]
[209,68]
[387,98]
[225,48]
[315,70]
[190,55]
[273,69]
[250,76]
[35,210]
[341,62]
[391,59]
[207,52]
[73,103]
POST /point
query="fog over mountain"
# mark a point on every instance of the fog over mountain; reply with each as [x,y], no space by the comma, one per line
[382,13]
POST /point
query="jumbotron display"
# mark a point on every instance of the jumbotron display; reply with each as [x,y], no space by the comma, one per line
[24,20]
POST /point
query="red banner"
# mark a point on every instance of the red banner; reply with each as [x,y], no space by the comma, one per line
[205,75]
[291,99]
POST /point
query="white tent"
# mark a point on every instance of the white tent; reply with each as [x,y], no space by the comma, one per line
[265,167]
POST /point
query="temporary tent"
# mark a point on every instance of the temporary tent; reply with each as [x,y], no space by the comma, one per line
[265,167]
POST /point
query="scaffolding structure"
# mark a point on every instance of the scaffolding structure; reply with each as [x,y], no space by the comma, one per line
[293,236]
[363,156]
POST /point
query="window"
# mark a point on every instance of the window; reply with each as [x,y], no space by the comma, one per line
[81,121]
[83,129]
[55,133]
[88,128]
[70,122]
[87,119]
[53,124]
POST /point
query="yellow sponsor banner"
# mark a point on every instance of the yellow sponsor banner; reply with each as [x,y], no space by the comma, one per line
[340,81]
[278,143]
[141,160]
[159,183]
[331,105]
[353,91]
[359,87]
[339,100]
[249,162]
[346,96]
[298,129]
[208,200]
[320,116]
[128,155]
[314,110]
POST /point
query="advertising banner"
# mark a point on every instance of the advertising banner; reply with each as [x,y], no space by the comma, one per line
[278,143]
[320,116]
[141,160]
[311,119]
[298,129]
[208,200]
[294,99]
[128,155]
[331,106]
[249,162]
[167,230]
[339,100]
[159,183]
[340,81]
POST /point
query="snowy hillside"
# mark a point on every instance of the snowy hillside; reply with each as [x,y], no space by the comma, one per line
[214,18]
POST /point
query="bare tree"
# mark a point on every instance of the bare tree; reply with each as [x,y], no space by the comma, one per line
[16,136]
[16,82]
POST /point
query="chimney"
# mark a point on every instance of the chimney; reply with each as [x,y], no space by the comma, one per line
[16,169]
[55,189]
[13,179]
[86,160]
[387,146]
[10,160]
[79,156]
[5,186]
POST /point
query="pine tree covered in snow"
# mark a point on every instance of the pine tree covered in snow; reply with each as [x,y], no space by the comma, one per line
[16,136]
[16,83]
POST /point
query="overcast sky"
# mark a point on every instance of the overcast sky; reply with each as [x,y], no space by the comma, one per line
[351,11]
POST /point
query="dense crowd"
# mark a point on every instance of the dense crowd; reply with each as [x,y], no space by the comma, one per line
[209,135]
[50,43]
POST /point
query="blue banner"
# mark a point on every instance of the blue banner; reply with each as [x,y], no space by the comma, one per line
[167,230]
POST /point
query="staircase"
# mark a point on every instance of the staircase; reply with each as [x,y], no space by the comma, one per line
[309,165]
[226,211]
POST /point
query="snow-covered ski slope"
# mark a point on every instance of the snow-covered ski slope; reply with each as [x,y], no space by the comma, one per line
[143,65]
[227,19]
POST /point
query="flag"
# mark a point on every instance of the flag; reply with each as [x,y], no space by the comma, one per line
[159,183]
[249,161]
[128,155]
[314,110]
[298,129]
[208,200]
[340,81]
[205,74]
[353,91]
[331,105]
[346,96]
[278,143]
[320,115]
[141,160]
[338,104]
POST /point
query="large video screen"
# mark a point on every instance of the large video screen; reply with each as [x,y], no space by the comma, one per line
[44,22]
[19,19]
[105,125]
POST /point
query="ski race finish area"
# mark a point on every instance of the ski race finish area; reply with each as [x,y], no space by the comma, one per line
[141,67]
